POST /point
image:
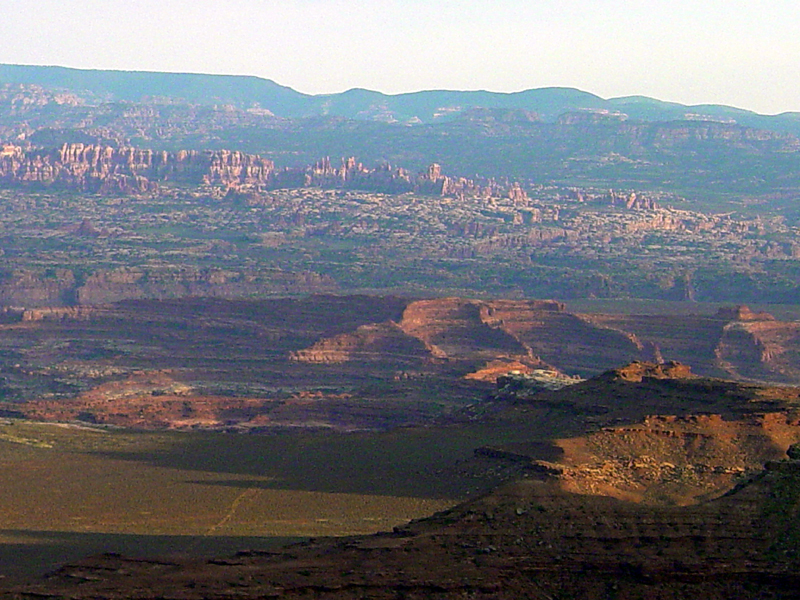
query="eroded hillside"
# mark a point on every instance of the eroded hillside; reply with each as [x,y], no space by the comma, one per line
[645,480]
[656,433]
[527,539]
[347,362]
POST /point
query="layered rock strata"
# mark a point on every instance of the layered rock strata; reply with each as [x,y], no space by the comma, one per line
[126,170]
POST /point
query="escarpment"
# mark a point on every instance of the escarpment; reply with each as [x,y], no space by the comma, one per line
[760,349]
[104,169]
[469,335]
[543,333]
[453,330]
[376,342]
[22,287]
[61,287]
[454,327]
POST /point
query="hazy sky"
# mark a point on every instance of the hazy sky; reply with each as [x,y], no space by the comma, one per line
[745,53]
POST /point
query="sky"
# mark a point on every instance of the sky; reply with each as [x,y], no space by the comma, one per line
[735,52]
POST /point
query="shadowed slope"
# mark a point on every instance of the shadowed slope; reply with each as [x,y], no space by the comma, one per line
[527,539]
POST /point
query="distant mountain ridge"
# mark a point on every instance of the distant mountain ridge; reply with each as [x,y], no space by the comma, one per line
[97,86]
[542,136]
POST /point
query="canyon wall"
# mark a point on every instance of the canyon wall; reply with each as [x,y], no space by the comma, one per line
[36,289]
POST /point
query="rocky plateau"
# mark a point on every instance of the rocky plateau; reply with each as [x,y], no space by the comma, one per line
[559,529]
[346,362]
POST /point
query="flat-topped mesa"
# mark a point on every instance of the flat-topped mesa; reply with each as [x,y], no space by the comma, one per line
[458,327]
[742,313]
[456,330]
[373,342]
[639,370]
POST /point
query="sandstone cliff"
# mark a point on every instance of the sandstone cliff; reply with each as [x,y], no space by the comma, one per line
[475,332]
[442,330]
[103,169]
[540,333]
[760,350]
[28,288]
[379,342]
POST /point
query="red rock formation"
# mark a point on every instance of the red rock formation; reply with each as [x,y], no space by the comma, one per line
[674,459]
[379,342]
[636,371]
[30,289]
[690,339]
[568,341]
[455,328]
[685,438]
[237,168]
[475,332]
[543,332]
[450,329]
[126,170]
[129,170]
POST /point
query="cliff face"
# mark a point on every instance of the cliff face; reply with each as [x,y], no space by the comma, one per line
[378,342]
[457,328]
[760,349]
[27,288]
[352,338]
[442,330]
[339,342]
[31,289]
[106,170]
[468,333]
[103,169]
[539,333]
[565,339]
[535,332]
[691,339]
